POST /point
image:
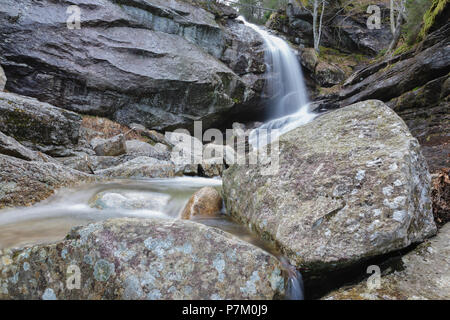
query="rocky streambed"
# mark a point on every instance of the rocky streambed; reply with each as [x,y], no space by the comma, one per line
[96,204]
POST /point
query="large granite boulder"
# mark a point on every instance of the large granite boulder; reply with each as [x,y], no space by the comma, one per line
[142,259]
[23,183]
[39,125]
[422,274]
[154,62]
[351,185]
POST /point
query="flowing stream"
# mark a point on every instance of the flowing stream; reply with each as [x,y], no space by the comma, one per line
[50,220]
[289,107]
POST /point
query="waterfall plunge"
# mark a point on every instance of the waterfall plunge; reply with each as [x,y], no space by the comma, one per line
[291,106]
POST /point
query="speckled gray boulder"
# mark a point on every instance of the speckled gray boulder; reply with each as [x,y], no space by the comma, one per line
[142,259]
[352,184]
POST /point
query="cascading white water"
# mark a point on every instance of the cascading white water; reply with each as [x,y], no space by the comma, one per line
[286,84]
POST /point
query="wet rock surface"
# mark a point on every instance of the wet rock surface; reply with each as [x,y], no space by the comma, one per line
[322,212]
[142,259]
[425,275]
[129,200]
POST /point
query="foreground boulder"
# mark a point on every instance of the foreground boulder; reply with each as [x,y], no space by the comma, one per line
[424,274]
[142,259]
[205,202]
[39,125]
[24,183]
[351,185]
[157,63]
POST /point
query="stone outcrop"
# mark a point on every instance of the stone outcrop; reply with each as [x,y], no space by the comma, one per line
[350,185]
[39,125]
[158,63]
[141,259]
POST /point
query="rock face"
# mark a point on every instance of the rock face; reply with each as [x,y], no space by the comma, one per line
[142,259]
[205,202]
[24,183]
[2,79]
[155,62]
[352,184]
[115,146]
[38,125]
[425,275]
[415,84]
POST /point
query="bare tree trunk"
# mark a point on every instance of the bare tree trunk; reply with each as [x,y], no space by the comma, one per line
[320,26]
[315,33]
[392,17]
[397,24]
[397,34]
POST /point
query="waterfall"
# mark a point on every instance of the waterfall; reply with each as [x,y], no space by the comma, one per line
[285,83]
[295,289]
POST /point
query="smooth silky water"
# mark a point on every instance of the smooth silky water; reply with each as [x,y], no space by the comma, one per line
[52,219]
[289,107]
